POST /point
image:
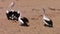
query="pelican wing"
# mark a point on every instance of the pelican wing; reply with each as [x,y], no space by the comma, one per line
[46,18]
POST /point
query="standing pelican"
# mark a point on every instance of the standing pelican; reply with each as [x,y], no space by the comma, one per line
[48,22]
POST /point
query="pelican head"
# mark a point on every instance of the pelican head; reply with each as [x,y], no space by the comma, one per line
[12,4]
[43,12]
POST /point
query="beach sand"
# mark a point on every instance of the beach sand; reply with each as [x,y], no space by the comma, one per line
[31,9]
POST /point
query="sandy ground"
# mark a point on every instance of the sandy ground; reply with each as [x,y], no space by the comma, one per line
[32,9]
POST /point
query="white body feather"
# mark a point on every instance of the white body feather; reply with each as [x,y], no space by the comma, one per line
[46,18]
[20,20]
[7,11]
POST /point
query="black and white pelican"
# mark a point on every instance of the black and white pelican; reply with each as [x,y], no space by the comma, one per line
[16,15]
[48,22]
[9,14]
[24,21]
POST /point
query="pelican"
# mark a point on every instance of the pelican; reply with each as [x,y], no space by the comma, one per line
[16,15]
[48,22]
[10,14]
[23,21]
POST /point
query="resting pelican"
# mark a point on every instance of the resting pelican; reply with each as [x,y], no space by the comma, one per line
[16,15]
[48,22]
[23,21]
[10,14]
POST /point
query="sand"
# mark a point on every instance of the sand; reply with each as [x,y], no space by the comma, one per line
[31,9]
